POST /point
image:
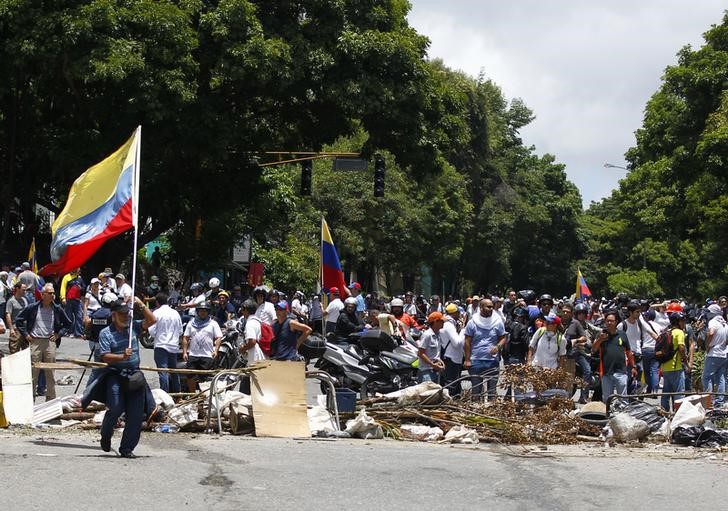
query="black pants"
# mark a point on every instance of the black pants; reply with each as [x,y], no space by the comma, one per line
[452,372]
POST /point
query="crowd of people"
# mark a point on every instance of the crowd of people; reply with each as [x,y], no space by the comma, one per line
[625,345]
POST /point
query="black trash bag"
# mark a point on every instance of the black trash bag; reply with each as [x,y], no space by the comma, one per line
[687,435]
[639,410]
[700,436]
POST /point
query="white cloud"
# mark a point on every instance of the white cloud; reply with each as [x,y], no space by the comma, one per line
[586,68]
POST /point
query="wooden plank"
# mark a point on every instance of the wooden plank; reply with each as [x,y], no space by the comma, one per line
[279,399]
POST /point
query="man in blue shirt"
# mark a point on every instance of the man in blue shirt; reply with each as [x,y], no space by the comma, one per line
[123,361]
[361,306]
[485,337]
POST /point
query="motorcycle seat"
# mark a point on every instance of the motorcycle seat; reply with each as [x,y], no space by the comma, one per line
[405,359]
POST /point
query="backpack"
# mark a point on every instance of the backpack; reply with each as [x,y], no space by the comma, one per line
[664,348]
[267,338]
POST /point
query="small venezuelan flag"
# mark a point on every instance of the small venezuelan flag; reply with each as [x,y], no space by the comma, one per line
[582,290]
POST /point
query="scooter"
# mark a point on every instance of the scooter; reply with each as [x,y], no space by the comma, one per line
[392,362]
[343,362]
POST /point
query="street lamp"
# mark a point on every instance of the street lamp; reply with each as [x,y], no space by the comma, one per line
[612,166]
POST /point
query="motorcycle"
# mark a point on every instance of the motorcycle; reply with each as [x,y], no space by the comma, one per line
[342,360]
[392,362]
[228,355]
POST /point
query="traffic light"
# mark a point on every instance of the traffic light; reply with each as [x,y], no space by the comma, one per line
[378,176]
[306,170]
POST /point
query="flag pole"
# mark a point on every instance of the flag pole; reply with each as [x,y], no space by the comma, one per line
[321,277]
[135,222]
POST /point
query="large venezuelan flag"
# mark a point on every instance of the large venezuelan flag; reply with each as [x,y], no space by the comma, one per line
[100,206]
[582,290]
[331,274]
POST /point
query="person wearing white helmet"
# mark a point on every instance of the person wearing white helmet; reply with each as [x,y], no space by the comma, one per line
[396,307]
[211,295]
[348,321]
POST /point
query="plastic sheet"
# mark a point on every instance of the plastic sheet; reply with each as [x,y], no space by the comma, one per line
[461,435]
[421,433]
[363,426]
[688,415]
[642,411]
[627,428]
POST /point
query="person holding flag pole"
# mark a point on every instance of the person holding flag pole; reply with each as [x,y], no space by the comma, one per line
[102,203]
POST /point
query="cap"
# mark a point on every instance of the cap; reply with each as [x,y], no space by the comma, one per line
[354,285]
[435,316]
[476,298]
[451,308]
[108,270]
[25,266]
[282,305]
[553,318]
[334,290]
[154,278]
[95,281]
[120,276]
[117,305]
[715,309]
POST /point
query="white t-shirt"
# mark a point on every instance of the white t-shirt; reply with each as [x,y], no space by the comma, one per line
[649,327]
[266,312]
[253,331]
[167,329]
[662,320]
[125,291]
[202,340]
[547,349]
[452,342]
[636,337]
[333,310]
[717,343]
[93,302]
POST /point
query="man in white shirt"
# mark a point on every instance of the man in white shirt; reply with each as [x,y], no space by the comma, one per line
[251,336]
[331,314]
[166,332]
[638,334]
[124,288]
[265,310]
[200,342]
[453,344]
[716,358]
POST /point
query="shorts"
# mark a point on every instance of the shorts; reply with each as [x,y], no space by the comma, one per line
[199,363]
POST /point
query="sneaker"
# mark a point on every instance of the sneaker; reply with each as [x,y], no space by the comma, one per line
[105,444]
[41,391]
[129,455]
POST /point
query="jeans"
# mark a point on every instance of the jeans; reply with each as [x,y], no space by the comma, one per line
[477,376]
[583,362]
[74,310]
[120,400]
[427,375]
[651,367]
[613,384]
[714,373]
[673,381]
[452,373]
[168,382]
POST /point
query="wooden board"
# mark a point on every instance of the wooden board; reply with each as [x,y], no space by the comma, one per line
[18,388]
[279,399]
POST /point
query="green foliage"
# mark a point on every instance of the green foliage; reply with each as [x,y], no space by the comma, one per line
[670,213]
[634,283]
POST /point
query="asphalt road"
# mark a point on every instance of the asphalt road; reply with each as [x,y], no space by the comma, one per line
[42,469]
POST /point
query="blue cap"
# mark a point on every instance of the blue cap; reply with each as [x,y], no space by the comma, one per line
[282,305]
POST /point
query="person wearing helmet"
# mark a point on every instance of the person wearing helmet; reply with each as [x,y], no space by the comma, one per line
[214,288]
[348,321]
[516,350]
[396,307]
[197,297]
[615,357]
[266,311]
[200,342]
[98,320]
[333,309]
[673,375]
[225,311]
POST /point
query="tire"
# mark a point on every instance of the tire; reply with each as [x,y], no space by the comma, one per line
[376,383]
[146,340]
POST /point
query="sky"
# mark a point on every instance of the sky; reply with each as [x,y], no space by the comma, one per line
[585,67]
